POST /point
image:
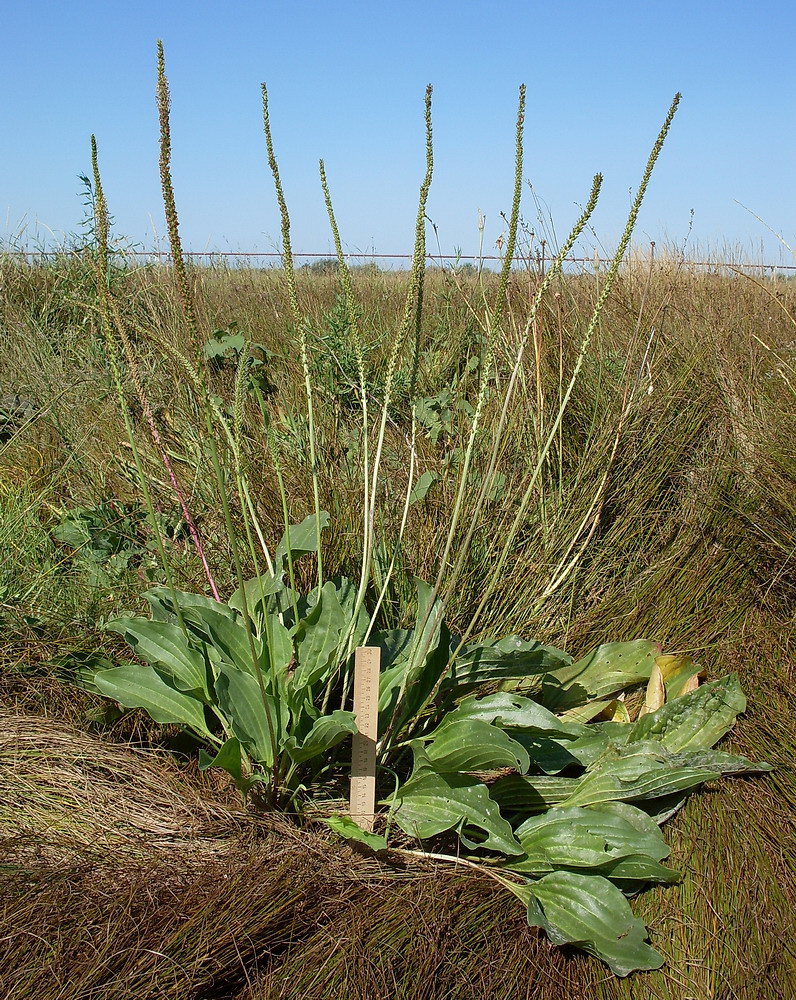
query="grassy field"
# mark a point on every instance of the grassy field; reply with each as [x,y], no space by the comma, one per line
[665,509]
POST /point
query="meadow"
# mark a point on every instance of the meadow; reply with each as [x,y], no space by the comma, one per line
[129,858]
[574,457]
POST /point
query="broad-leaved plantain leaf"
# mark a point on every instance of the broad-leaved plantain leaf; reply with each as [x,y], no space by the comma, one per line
[241,701]
[167,647]
[395,645]
[226,635]
[695,720]
[500,660]
[591,838]
[164,600]
[722,763]
[677,671]
[473,745]
[528,794]
[636,778]
[590,913]
[317,640]
[426,657]
[600,673]
[326,732]
[300,539]
[136,686]
[512,711]
[430,803]
[257,591]
[228,759]
[347,596]
[344,826]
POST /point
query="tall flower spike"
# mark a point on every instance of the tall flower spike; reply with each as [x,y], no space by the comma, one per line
[169,205]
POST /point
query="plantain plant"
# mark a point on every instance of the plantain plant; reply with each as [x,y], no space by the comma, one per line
[528,757]
[563,810]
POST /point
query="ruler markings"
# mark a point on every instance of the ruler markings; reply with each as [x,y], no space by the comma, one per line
[367,662]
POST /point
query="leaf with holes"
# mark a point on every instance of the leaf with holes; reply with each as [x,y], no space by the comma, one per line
[430,803]
[602,672]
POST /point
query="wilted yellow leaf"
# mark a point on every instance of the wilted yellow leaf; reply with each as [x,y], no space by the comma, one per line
[656,690]
[691,684]
[616,711]
[679,673]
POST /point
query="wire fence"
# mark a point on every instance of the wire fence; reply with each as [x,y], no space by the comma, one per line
[538,259]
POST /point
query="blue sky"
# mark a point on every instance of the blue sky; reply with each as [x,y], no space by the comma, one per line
[346,81]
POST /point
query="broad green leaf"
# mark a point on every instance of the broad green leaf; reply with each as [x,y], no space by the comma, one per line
[661,810]
[427,655]
[347,596]
[430,803]
[167,647]
[512,711]
[228,759]
[227,636]
[473,745]
[548,755]
[677,671]
[136,686]
[326,732]
[389,688]
[241,701]
[162,602]
[317,640]
[581,714]
[640,777]
[696,720]
[345,827]
[395,645]
[300,539]
[277,647]
[598,739]
[605,671]
[500,660]
[573,838]
[422,486]
[255,590]
[531,793]
[722,763]
[590,913]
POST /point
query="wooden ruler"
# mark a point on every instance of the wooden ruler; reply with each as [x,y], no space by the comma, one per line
[367,663]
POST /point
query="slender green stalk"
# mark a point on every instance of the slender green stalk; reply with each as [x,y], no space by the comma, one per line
[595,318]
[189,313]
[351,308]
[411,317]
[552,272]
[298,320]
[282,494]
[486,373]
[542,458]
[511,241]
[103,290]
[367,512]
[493,333]
[413,310]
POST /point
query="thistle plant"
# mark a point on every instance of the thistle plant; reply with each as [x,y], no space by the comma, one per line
[551,774]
